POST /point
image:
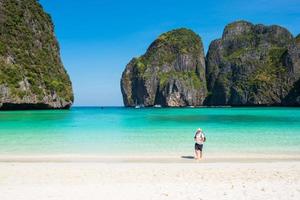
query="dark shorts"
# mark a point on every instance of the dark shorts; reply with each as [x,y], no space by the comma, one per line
[198,147]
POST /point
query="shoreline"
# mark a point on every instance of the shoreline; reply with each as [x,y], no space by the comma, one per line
[229,158]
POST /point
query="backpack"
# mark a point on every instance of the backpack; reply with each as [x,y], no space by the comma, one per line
[204,137]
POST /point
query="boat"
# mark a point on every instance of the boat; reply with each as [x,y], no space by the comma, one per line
[139,106]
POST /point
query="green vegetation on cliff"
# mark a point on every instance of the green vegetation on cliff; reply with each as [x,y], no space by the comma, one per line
[182,41]
[191,79]
[168,45]
[30,64]
[297,39]
[270,72]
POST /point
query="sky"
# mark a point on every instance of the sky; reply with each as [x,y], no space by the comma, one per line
[99,37]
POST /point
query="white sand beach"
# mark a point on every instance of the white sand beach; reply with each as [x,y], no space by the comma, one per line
[149,179]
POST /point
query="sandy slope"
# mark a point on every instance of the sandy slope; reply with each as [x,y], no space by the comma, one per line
[140,180]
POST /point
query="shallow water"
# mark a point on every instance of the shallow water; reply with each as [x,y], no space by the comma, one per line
[125,131]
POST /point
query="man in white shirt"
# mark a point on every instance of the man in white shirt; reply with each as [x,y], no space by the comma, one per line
[199,140]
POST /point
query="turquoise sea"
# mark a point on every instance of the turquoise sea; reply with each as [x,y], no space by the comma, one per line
[149,131]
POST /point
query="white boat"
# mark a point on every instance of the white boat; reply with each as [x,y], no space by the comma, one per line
[139,106]
[157,106]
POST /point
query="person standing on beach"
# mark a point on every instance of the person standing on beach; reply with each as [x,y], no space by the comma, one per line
[199,140]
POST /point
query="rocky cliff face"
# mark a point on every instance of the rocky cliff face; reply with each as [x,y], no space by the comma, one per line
[171,73]
[31,73]
[252,65]
[292,59]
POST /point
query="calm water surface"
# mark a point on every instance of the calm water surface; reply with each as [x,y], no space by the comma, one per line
[112,131]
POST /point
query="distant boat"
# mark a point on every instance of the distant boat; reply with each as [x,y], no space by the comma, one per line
[157,106]
[139,106]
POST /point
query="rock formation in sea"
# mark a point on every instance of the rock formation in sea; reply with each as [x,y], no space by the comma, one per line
[171,73]
[32,75]
[252,65]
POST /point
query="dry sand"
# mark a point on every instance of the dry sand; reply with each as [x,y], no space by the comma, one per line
[137,179]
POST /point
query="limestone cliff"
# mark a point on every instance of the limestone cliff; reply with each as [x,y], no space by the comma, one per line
[252,65]
[31,72]
[171,73]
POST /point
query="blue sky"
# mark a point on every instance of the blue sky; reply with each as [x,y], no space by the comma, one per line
[99,37]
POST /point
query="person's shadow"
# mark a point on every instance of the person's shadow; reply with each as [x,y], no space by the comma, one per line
[188,157]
